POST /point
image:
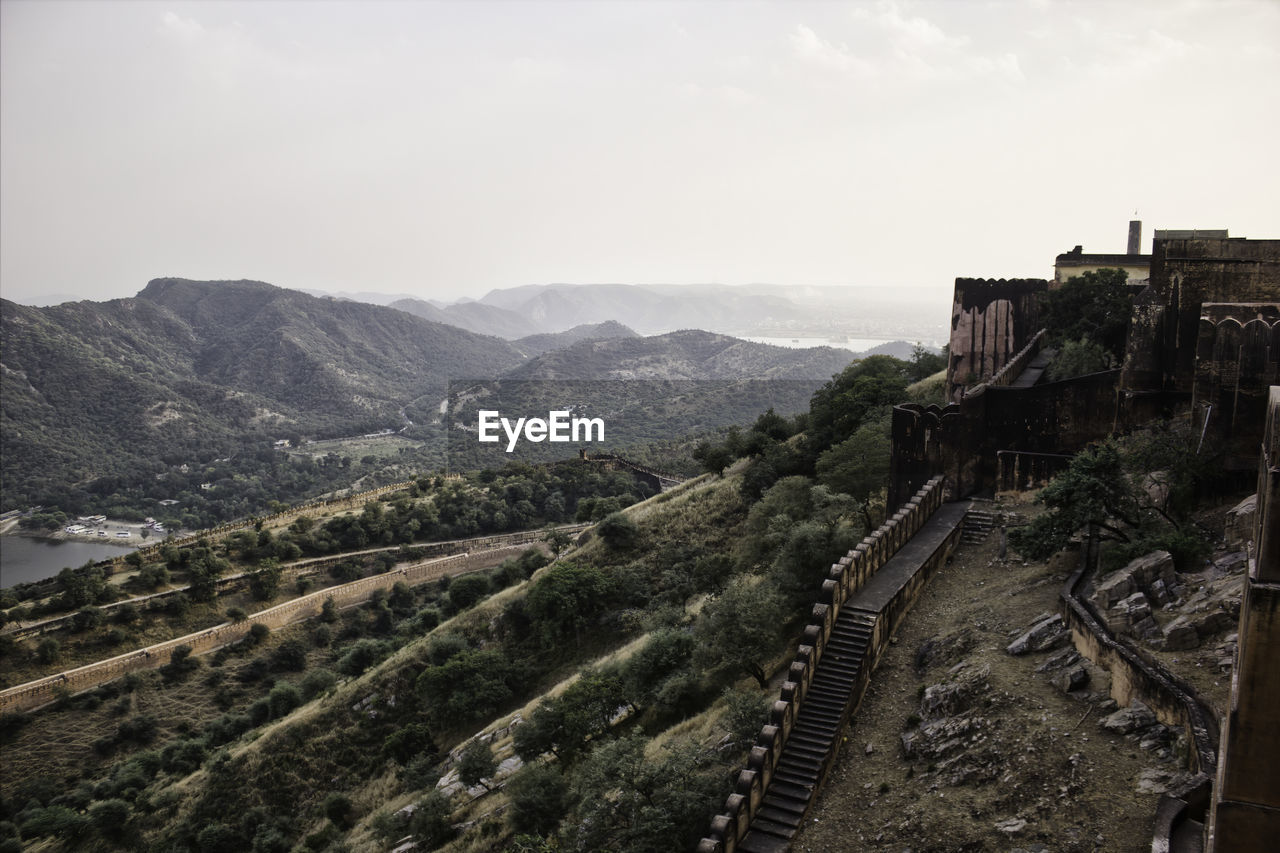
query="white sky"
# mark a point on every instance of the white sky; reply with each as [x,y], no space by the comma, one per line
[442,149]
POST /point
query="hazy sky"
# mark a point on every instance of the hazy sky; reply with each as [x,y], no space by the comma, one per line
[443,149]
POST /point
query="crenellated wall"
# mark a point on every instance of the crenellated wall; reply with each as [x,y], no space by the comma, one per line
[49,586]
[306,568]
[963,440]
[1237,360]
[36,693]
[845,580]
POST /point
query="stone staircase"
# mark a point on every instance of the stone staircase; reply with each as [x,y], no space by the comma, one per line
[814,737]
[979,521]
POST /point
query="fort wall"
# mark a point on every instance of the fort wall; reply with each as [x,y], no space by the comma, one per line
[845,580]
[42,691]
[1246,801]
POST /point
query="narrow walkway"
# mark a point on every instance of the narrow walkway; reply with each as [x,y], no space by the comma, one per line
[833,694]
[1031,375]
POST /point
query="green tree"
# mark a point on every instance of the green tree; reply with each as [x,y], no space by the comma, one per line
[476,764]
[741,627]
[81,586]
[338,808]
[618,531]
[111,818]
[329,610]
[627,800]
[859,466]
[1096,305]
[862,389]
[467,589]
[471,685]
[265,582]
[1139,492]
[567,598]
[1079,358]
[48,650]
[538,796]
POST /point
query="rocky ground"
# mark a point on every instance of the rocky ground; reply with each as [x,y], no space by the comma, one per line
[961,745]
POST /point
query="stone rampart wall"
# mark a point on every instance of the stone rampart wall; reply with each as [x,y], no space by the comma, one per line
[34,694]
[962,440]
[310,566]
[844,580]
[1237,361]
[151,552]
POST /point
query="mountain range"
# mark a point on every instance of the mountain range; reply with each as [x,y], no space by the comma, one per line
[98,389]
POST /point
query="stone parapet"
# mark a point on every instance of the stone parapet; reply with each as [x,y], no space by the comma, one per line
[846,578]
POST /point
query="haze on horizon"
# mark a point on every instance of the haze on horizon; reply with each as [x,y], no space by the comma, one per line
[445,149]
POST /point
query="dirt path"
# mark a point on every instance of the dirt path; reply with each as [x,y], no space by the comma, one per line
[1017,764]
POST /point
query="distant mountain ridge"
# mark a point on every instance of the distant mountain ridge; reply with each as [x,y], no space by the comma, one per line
[688,354]
[535,345]
[96,389]
[187,369]
[474,317]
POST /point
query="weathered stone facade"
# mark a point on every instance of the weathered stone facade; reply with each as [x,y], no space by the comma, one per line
[991,321]
[1246,798]
[1204,342]
[1184,334]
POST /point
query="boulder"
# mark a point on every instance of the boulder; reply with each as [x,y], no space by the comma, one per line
[1180,635]
[1134,718]
[1138,575]
[1213,622]
[1239,526]
[1048,632]
[1071,679]
[952,697]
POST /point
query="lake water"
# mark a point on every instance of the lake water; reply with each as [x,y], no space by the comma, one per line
[23,559]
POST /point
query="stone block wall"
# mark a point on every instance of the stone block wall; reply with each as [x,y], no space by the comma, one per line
[1246,799]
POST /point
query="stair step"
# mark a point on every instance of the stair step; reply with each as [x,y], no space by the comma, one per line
[823,730]
[790,790]
[801,781]
[772,827]
[778,816]
[759,842]
[814,740]
[786,804]
[801,750]
[800,764]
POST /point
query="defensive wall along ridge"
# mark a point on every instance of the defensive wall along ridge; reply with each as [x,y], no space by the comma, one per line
[311,566]
[42,691]
[152,551]
[860,606]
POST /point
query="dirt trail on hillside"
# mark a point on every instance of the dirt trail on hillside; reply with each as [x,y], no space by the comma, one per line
[1014,763]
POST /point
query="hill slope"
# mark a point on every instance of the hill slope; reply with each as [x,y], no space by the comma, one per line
[92,389]
[690,354]
[535,345]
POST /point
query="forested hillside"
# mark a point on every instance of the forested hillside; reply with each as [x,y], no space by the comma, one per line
[180,393]
[187,372]
[618,686]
